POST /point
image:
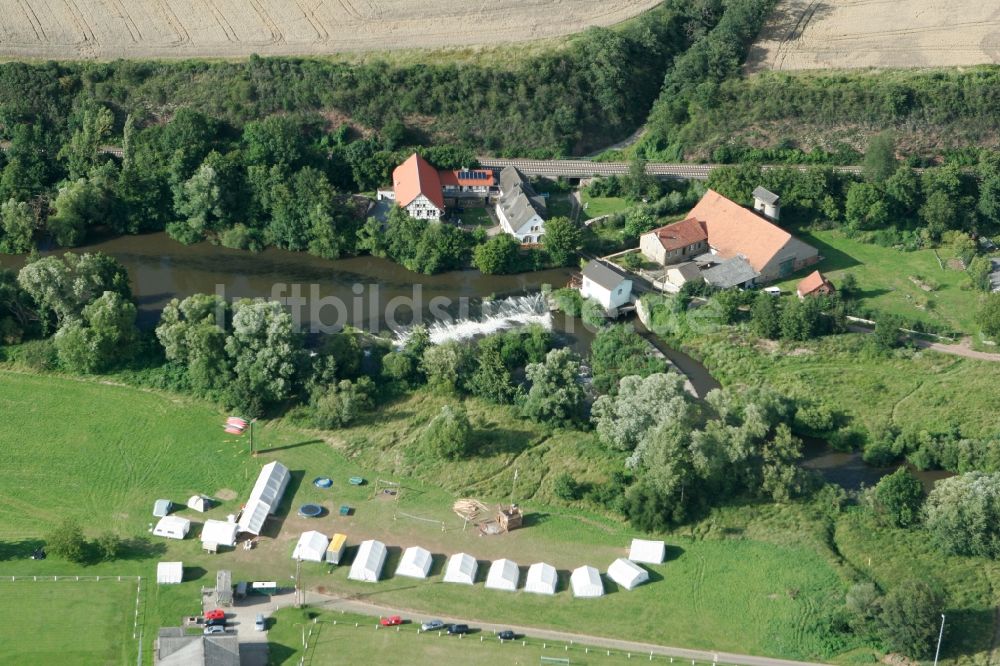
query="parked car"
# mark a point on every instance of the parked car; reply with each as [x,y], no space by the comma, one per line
[215,629]
[455,629]
[216,614]
[260,624]
[216,622]
[391,621]
[507,635]
[432,625]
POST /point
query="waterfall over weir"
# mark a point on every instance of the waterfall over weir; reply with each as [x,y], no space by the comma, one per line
[496,316]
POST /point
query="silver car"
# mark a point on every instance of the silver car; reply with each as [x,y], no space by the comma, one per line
[432,625]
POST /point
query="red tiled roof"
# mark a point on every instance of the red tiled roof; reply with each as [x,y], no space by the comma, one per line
[484,178]
[733,230]
[813,282]
[414,177]
[681,234]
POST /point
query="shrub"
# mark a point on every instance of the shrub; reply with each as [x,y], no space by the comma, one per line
[566,488]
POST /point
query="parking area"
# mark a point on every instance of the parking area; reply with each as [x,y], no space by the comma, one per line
[241,619]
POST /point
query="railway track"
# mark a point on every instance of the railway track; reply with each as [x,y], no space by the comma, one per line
[588,169]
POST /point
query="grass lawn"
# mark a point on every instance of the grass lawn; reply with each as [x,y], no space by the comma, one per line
[884,278]
[747,579]
[598,206]
[476,216]
[85,622]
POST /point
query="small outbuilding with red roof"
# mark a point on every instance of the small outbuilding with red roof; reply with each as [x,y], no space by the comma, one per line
[815,284]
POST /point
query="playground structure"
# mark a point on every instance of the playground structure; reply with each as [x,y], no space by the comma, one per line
[507,517]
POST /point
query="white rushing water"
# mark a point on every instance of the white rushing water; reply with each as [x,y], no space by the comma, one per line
[497,316]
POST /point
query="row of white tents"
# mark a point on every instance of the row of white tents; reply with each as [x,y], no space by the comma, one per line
[505,574]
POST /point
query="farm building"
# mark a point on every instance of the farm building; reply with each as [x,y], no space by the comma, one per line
[169,573]
[464,182]
[175,647]
[586,583]
[264,498]
[461,569]
[415,563]
[172,527]
[606,283]
[730,231]
[416,188]
[732,272]
[503,575]
[335,551]
[541,579]
[367,565]
[520,210]
[311,547]
[649,552]
[627,574]
[217,533]
[814,284]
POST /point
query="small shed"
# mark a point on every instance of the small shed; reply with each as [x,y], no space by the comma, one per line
[335,551]
[586,583]
[172,527]
[627,573]
[606,283]
[509,517]
[199,503]
[217,533]
[814,284]
[649,552]
[503,575]
[224,587]
[461,569]
[368,563]
[766,202]
[169,573]
[311,547]
[541,579]
[415,563]
[162,507]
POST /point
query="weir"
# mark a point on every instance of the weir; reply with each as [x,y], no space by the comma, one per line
[496,316]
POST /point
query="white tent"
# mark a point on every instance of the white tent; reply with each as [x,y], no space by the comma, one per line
[461,569]
[172,527]
[219,533]
[367,565]
[627,574]
[650,552]
[542,579]
[265,497]
[503,575]
[311,547]
[415,563]
[586,582]
[162,507]
[199,503]
[169,573]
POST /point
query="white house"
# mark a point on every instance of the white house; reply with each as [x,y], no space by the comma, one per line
[586,583]
[606,283]
[520,210]
[311,547]
[627,574]
[416,188]
[503,575]
[367,565]
[415,563]
[461,569]
[172,527]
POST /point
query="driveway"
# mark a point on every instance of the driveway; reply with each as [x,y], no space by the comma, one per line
[241,618]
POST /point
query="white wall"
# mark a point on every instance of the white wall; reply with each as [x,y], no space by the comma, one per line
[609,299]
[421,208]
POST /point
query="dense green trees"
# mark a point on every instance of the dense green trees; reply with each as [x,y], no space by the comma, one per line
[618,351]
[898,498]
[562,239]
[192,333]
[962,514]
[265,350]
[62,287]
[556,395]
[496,256]
[448,435]
[989,316]
[908,623]
[103,336]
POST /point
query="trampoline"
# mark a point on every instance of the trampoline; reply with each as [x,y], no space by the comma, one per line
[322,482]
[310,510]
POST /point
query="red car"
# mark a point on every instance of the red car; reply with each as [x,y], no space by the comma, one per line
[391,621]
[217,614]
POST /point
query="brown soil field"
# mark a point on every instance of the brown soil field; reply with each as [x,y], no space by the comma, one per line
[834,34]
[105,29]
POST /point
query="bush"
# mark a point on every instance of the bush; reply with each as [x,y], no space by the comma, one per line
[448,435]
[569,301]
[38,355]
[67,541]
[566,488]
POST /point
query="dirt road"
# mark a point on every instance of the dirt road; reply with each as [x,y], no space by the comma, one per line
[105,29]
[637,648]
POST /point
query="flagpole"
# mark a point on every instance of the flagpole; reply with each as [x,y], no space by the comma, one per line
[251,437]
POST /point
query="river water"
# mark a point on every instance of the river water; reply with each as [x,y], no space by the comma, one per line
[376,295]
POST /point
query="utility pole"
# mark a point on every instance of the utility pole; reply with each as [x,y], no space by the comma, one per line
[937,652]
